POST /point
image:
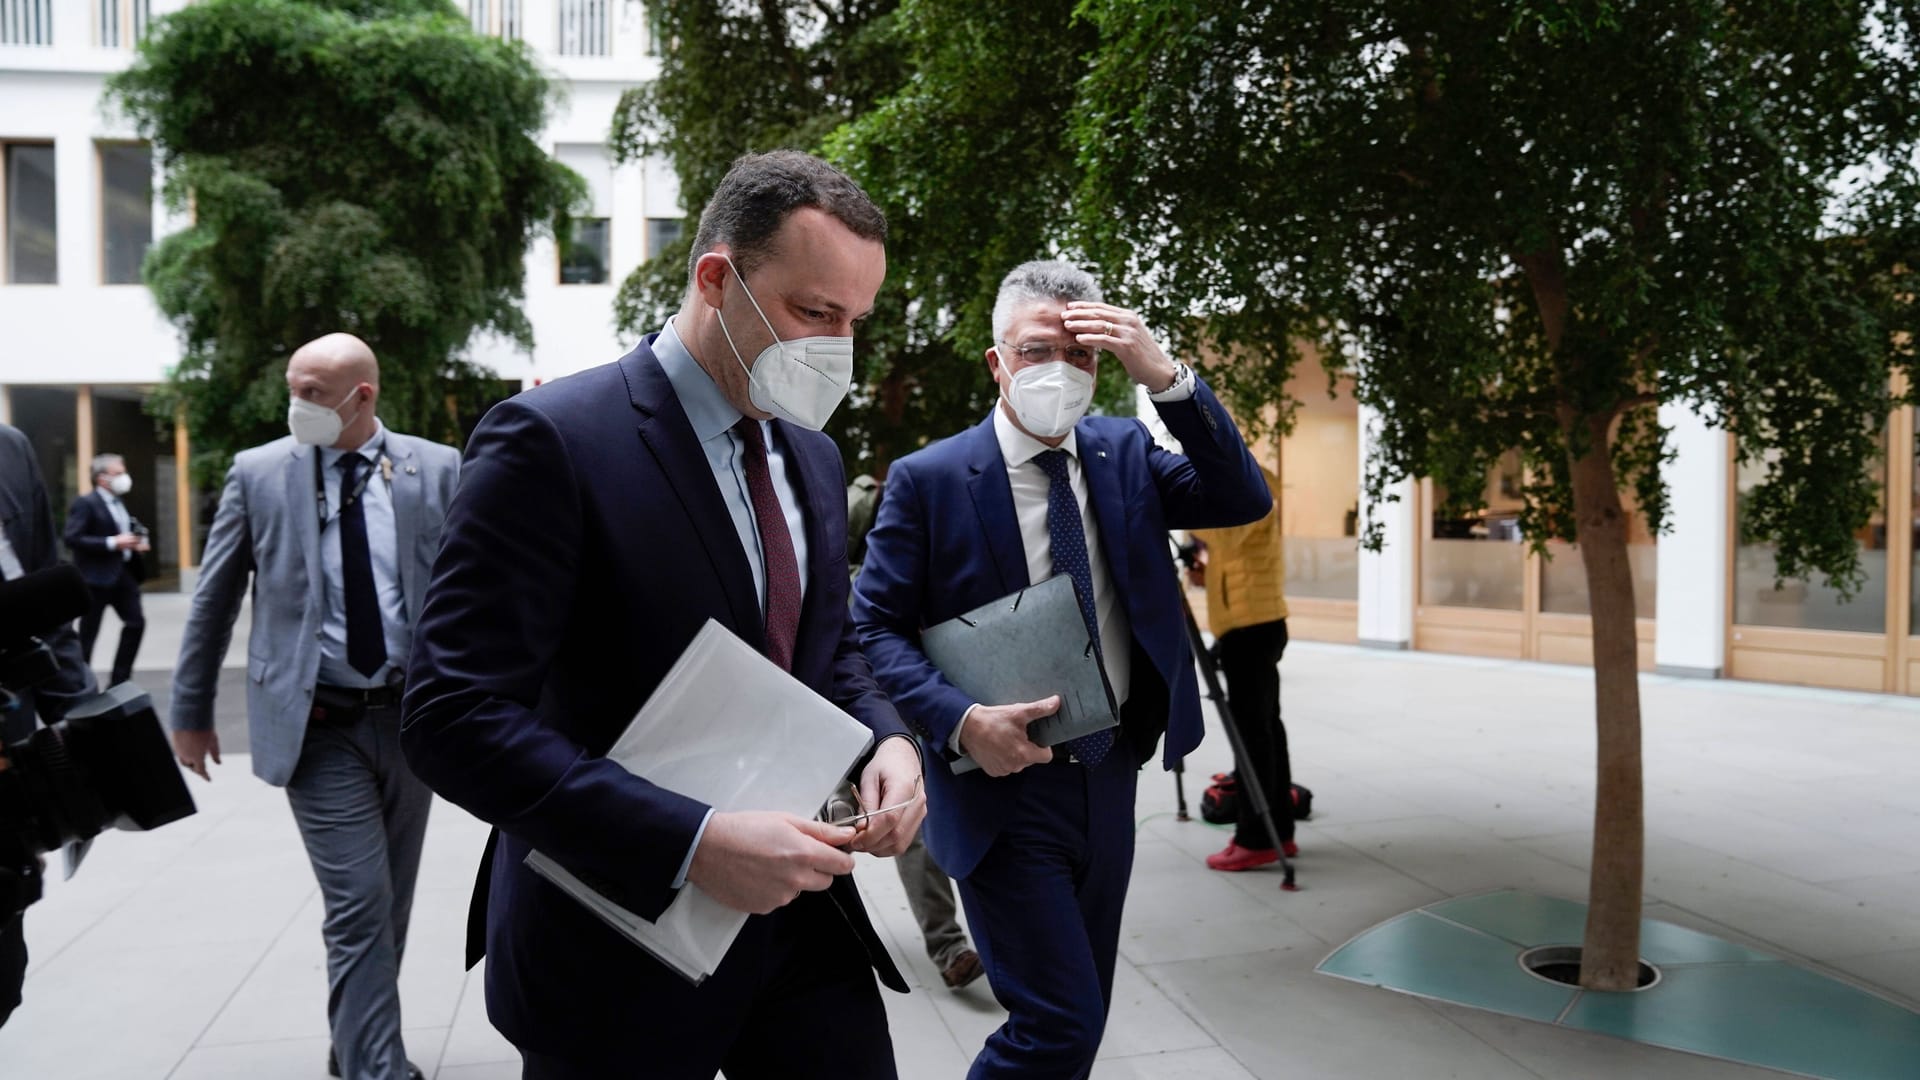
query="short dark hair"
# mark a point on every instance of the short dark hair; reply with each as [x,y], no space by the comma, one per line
[761,190]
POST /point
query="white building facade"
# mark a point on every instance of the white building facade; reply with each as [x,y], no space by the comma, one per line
[81,344]
[81,341]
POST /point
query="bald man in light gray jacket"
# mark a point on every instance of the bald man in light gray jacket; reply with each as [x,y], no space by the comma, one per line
[336,527]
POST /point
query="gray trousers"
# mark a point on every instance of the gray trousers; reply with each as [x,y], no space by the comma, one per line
[930,895]
[363,815]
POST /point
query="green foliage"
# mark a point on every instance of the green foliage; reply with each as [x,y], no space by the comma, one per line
[1528,224]
[951,115]
[360,165]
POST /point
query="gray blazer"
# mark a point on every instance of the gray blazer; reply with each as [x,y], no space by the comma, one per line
[267,527]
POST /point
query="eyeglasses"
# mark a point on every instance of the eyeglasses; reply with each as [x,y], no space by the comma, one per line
[1077,355]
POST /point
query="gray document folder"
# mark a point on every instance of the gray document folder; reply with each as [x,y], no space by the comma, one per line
[1025,647]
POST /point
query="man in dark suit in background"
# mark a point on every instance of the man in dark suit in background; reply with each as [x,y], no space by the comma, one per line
[27,545]
[107,542]
[602,520]
[1041,839]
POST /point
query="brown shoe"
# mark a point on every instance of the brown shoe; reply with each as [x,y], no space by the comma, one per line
[962,969]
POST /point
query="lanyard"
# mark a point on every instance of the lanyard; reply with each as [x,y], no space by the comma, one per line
[347,498]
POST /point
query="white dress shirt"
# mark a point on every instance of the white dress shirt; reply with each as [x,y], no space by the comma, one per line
[1030,486]
[383,543]
[10,567]
[121,520]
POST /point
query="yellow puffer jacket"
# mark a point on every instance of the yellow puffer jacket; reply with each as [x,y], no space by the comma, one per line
[1246,570]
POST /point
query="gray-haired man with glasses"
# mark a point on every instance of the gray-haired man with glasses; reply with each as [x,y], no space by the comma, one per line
[1040,838]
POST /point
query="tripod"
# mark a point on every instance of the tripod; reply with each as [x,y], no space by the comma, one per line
[1249,779]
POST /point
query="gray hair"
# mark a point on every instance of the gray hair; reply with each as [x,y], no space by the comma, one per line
[1042,279]
[103,462]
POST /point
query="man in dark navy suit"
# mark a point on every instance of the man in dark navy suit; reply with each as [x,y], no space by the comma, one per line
[1041,839]
[601,520]
[106,542]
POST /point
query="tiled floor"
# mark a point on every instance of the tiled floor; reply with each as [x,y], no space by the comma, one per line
[1782,818]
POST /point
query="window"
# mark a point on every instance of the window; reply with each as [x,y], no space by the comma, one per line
[1810,604]
[120,24]
[662,233]
[500,18]
[32,256]
[26,22]
[584,28]
[126,210]
[1563,578]
[587,260]
[1320,481]
[1478,561]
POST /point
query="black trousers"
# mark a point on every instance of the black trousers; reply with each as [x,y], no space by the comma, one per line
[123,596]
[1249,660]
[795,999]
[13,963]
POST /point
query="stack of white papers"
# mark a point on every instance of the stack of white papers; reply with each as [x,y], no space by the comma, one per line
[729,728]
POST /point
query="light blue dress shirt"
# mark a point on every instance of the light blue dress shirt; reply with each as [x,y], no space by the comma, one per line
[713,418]
[383,541]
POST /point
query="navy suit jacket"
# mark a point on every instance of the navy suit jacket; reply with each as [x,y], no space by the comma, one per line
[947,541]
[587,544]
[89,524]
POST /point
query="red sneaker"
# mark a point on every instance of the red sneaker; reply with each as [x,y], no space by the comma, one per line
[1292,849]
[1236,857]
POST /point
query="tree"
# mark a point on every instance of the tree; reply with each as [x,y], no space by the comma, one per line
[1526,226]
[360,165]
[950,114]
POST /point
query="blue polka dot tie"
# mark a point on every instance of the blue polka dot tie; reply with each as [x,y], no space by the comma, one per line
[1067,541]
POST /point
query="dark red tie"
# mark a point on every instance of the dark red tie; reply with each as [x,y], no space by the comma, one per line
[776,547]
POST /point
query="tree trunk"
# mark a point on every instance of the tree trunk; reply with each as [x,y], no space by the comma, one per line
[1610,955]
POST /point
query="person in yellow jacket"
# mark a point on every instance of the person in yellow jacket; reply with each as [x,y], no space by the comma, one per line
[1246,572]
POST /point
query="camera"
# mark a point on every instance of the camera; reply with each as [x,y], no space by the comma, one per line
[106,763]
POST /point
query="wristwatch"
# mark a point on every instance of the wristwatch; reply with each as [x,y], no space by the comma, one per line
[1179,376]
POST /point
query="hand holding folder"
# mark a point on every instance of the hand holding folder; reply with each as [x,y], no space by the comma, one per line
[1027,647]
[729,728]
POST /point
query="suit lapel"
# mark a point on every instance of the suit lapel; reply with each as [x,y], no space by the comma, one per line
[1109,508]
[306,521]
[812,477]
[406,514]
[669,437]
[993,502]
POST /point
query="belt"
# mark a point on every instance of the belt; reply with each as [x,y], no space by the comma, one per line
[354,697]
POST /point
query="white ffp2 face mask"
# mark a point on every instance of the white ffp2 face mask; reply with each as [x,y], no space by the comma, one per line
[121,484]
[801,381]
[316,425]
[1049,398]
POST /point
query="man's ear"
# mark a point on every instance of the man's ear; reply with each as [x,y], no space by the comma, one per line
[710,273]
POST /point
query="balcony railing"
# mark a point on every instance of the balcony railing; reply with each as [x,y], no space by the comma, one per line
[500,18]
[585,29]
[120,24]
[26,22]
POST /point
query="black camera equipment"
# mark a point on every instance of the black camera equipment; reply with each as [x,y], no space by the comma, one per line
[107,763]
[1210,679]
